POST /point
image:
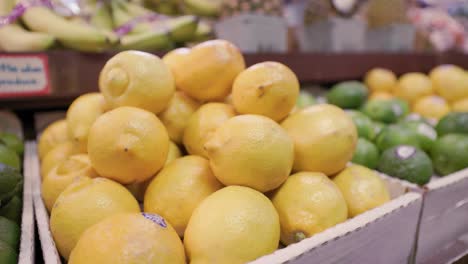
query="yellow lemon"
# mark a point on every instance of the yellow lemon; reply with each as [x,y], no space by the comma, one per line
[202,124]
[128,145]
[268,88]
[432,106]
[84,203]
[146,238]
[176,115]
[172,58]
[54,134]
[135,78]
[138,189]
[179,188]
[450,82]
[63,175]
[308,203]
[412,86]
[252,151]
[81,116]
[55,156]
[324,136]
[380,80]
[208,70]
[381,96]
[232,226]
[362,189]
[460,105]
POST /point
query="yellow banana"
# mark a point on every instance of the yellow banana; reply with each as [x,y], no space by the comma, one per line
[42,19]
[14,38]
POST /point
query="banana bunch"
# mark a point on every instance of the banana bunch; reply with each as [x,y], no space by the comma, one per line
[149,30]
[98,26]
[14,37]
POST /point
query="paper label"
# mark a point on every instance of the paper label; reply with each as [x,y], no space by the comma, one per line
[24,75]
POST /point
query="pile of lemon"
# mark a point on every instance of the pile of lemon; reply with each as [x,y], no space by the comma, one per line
[225,167]
[433,96]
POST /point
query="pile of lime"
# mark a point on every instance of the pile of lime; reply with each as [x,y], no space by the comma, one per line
[410,146]
[11,196]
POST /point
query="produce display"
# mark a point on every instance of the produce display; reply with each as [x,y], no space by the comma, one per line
[96,26]
[229,163]
[412,127]
[11,196]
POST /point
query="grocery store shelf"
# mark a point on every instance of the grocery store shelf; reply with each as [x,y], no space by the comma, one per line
[74,73]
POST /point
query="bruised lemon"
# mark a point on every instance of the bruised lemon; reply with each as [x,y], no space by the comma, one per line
[139,79]
[63,175]
[188,179]
[252,151]
[362,189]
[54,134]
[268,88]
[177,114]
[146,238]
[81,116]
[128,145]
[308,203]
[202,124]
[84,203]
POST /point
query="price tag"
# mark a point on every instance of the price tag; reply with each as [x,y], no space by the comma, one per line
[24,75]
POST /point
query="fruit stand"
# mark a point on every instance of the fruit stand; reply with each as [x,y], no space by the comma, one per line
[211,131]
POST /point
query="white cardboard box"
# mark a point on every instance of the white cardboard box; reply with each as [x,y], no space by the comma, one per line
[443,228]
[332,35]
[27,247]
[383,235]
[392,38]
[255,33]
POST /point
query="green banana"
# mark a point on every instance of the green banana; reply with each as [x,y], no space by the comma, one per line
[136,10]
[181,29]
[102,17]
[149,41]
[119,14]
[42,19]
[14,38]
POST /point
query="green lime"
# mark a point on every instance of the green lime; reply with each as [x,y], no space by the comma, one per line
[454,122]
[305,99]
[9,157]
[378,127]
[7,254]
[450,153]
[366,154]
[417,117]
[9,232]
[13,142]
[385,111]
[395,135]
[363,124]
[426,133]
[11,183]
[348,95]
[407,163]
[12,210]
